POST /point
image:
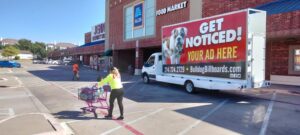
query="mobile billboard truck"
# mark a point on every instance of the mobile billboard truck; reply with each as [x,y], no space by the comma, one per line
[223,52]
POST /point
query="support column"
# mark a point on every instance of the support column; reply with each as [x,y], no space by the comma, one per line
[138,59]
[115,58]
[195,9]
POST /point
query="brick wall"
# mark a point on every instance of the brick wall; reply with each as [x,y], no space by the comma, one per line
[116,23]
[87,37]
[283,25]
[278,55]
[278,25]
[280,29]
[214,7]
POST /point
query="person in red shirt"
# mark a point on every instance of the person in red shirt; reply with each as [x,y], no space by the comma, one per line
[75,71]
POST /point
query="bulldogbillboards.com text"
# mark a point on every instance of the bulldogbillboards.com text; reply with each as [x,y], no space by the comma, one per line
[231,70]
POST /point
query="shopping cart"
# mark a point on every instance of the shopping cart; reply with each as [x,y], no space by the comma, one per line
[93,95]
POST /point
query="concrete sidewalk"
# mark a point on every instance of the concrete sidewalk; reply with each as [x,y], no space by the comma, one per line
[287,89]
[285,93]
[30,124]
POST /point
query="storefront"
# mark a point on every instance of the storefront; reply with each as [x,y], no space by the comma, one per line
[142,20]
[140,33]
[91,53]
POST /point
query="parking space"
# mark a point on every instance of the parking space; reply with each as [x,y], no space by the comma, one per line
[157,108]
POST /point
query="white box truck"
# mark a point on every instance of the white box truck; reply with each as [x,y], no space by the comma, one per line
[222,52]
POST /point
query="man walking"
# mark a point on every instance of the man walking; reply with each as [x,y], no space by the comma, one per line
[75,72]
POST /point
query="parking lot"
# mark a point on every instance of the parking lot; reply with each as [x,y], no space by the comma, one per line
[153,108]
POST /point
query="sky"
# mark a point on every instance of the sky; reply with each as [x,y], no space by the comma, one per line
[50,21]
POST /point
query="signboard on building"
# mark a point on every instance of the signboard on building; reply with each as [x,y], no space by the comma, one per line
[213,47]
[98,32]
[172,8]
[138,15]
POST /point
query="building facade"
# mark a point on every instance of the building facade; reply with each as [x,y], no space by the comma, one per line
[91,53]
[8,41]
[136,31]
[136,42]
[24,55]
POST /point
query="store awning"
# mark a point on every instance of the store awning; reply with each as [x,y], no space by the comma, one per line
[94,43]
[280,6]
[108,53]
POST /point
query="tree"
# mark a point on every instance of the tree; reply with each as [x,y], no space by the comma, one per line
[39,49]
[9,51]
[24,44]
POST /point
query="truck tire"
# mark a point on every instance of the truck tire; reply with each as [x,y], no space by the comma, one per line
[146,78]
[189,87]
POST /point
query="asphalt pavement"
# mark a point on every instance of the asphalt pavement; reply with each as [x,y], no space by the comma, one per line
[47,95]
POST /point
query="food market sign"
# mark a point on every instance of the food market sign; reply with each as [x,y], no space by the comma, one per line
[172,8]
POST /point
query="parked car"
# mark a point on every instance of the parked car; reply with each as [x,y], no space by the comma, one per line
[55,62]
[36,61]
[10,64]
[66,62]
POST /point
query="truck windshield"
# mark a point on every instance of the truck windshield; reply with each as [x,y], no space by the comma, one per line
[150,61]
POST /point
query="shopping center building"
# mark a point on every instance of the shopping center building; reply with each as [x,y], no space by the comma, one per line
[135,30]
[91,53]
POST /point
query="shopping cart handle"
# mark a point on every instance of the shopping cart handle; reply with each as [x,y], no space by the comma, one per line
[94,87]
[106,87]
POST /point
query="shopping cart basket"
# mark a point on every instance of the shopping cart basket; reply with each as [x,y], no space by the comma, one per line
[95,98]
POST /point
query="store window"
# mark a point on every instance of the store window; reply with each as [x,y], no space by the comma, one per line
[294,60]
[297,59]
[147,17]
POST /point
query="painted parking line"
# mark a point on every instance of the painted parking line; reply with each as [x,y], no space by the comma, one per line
[11,112]
[67,129]
[59,130]
[7,111]
[203,118]
[267,116]
[127,124]
[20,84]
[14,96]
[10,71]
[127,114]
[3,79]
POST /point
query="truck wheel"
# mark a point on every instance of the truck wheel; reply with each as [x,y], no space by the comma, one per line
[146,78]
[189,87]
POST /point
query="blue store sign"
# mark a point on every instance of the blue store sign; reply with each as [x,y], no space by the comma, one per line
[138,19]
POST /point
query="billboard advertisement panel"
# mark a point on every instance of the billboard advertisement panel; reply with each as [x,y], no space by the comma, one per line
[98,32]
[213,47]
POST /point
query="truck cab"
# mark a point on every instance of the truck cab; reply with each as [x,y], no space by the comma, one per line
[152,67]
[153,71]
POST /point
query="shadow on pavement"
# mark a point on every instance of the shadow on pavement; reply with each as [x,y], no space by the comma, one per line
[65,73]
[74,115]
[169,93]
[249,115]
